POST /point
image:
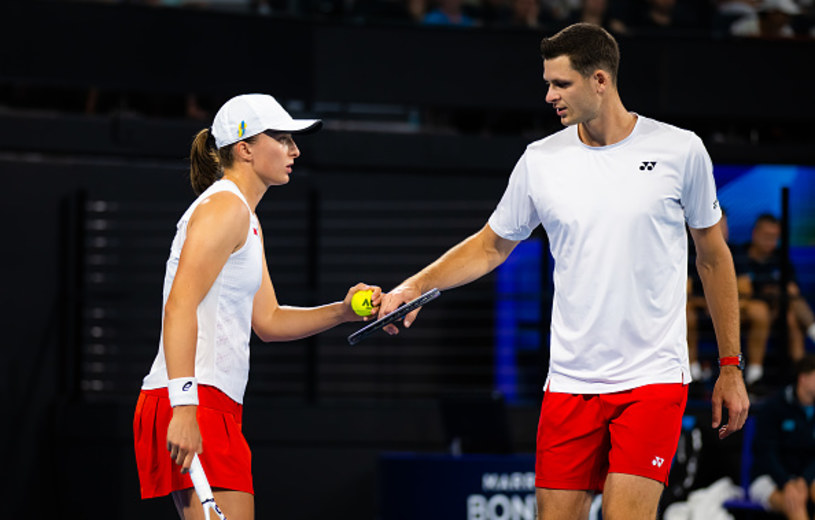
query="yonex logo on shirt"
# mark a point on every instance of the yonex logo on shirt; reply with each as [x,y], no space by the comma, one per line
[716,204]
[648,165]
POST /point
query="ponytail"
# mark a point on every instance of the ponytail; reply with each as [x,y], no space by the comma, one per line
[205,163]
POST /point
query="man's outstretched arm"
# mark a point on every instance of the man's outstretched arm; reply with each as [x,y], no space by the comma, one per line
[468,260]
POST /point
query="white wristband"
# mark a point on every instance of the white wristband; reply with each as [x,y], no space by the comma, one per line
[183,391]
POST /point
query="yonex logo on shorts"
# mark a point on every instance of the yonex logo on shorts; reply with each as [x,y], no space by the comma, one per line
[186,386]
[657,462]
[648,165]
[716,204]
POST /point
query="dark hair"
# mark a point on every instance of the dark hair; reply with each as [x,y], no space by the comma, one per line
[769,218]
[588,46]
[805,365]
[207,162]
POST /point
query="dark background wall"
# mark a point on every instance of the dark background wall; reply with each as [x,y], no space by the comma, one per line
[367,202]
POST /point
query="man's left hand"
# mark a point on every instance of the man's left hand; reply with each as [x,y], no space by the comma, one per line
[730,392]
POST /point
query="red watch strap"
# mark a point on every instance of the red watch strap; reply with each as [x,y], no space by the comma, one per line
[729,360]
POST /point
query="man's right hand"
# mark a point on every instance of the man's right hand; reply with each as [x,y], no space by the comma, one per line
[394,299]
[183,436]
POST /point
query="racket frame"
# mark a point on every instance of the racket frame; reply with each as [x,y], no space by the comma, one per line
[393,316]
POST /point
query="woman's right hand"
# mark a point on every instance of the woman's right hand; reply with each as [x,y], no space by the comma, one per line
[183,436]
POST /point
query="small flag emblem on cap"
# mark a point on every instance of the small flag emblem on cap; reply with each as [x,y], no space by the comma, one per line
[242,129]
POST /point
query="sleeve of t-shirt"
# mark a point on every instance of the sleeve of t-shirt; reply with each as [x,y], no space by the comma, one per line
[699,188]
[515,216]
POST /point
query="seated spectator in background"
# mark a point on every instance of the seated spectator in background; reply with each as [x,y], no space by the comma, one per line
[597,12]
[784,446]
[398,11]
[772,19]
[758,271]
[495,12]
[728,11]
[662,16]
[525,13]
[656,13]
[559,11]
[737,8]
[449,12]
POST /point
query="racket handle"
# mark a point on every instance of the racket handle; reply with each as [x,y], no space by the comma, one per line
[199,480]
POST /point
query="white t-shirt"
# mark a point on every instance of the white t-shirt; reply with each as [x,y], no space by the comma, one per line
[225,313]
[615,217]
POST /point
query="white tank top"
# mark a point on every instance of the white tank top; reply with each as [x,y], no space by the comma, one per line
[225,313]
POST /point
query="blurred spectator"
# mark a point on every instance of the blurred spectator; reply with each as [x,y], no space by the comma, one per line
[265,7]
[656,13]
[495,12]
[239,6]
[449,12]
[729,11]
[559,10]
[738,8]
[662,16]
[525,13]
[399,11]
[416,9]
[772,19]
[784,447]
[597,12]
[758,268]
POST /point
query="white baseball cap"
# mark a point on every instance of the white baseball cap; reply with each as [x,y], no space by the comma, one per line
[250,114]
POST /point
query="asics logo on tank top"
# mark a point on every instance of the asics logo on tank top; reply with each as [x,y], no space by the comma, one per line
[648,165]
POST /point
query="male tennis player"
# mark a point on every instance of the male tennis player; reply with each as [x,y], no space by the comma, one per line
[613,191]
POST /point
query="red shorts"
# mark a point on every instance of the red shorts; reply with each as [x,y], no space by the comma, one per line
[226,458]
[584,437]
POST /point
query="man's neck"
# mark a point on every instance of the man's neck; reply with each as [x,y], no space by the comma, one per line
[608,128]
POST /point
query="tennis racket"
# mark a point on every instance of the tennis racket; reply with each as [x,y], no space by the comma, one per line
[202,489]
[393,316]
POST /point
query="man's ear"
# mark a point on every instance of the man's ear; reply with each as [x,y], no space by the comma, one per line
[602,80]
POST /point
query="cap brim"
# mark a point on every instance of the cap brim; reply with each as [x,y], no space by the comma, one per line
[301,126]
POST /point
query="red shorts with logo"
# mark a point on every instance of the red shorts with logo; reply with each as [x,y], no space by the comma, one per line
[226,458]
[584,437]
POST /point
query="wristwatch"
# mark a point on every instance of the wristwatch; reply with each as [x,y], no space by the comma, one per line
[736,361]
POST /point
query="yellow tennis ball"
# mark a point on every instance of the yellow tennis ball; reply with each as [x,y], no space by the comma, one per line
[361,303]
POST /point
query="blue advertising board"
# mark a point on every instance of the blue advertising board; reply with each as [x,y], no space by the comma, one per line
[467,487]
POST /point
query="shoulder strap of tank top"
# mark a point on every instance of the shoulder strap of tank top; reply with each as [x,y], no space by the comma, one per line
[227,185]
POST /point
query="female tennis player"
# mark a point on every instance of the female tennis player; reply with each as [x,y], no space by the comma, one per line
[216,288]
